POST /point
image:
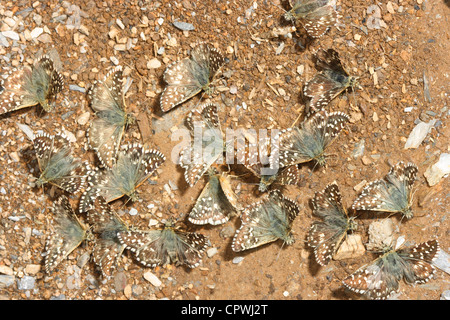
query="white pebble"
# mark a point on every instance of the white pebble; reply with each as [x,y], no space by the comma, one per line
[11,34]
[153,64]
[237,260]
[153,279]
[36,32]
[133,212]
[211,252]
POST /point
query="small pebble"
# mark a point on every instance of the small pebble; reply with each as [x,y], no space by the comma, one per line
[153,279]
[133,212]
[36,32]
[153,64]
[183,26]
[237,260]
[211,252]
[83,118]
[26,283]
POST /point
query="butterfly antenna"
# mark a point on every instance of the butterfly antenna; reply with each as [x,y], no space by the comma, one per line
[279,251]
[298,118]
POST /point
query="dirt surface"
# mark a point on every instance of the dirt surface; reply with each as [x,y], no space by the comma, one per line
[390,62]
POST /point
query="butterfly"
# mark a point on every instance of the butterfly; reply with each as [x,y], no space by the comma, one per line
[27,86]
[207,145]
[266,221]
[216,202]
[331,81]
[106,224]
[106,131]
[316,16]
[58,166]
[327,235]
[247,154]
[68,233]
[189,76]
[168,245]
[308,141]
[391,194]
[133,167]
[379,279]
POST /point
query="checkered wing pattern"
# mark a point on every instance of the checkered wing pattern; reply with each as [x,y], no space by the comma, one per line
[216,203]
[254,158]
[266,221]
[31,86]
[286,176]
[57,164]
[329,83]
[380,279]
[106,130]
[391,194]
[309,141]
[189,76]
[67,235]
[106,224]
[206,148]
[326,236]
[135,164]
[169,245]
[316,16]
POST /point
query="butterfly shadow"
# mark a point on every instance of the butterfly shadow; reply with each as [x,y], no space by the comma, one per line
[300,37]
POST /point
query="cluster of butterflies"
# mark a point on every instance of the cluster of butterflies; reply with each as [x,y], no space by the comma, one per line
[123,169]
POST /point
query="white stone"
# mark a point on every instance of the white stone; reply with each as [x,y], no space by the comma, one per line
[438,170]
[153,279]
[36,32]
[11,35]
[418,134]
[153,64]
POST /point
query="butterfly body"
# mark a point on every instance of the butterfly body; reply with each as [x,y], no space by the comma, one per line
[379,279]
[27,87]
[266,221]
[165,246]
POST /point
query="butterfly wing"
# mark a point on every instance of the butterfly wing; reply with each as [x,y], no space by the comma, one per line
[266,221]
[419,259]
[56,163]
[206,148]
[317,22]
[189,76]
[380,279]
[106,131]
[373,280]
[14,95]
[106,224]
[391,194]
[146,246]
[212,206]
[326,236]
[67,235]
